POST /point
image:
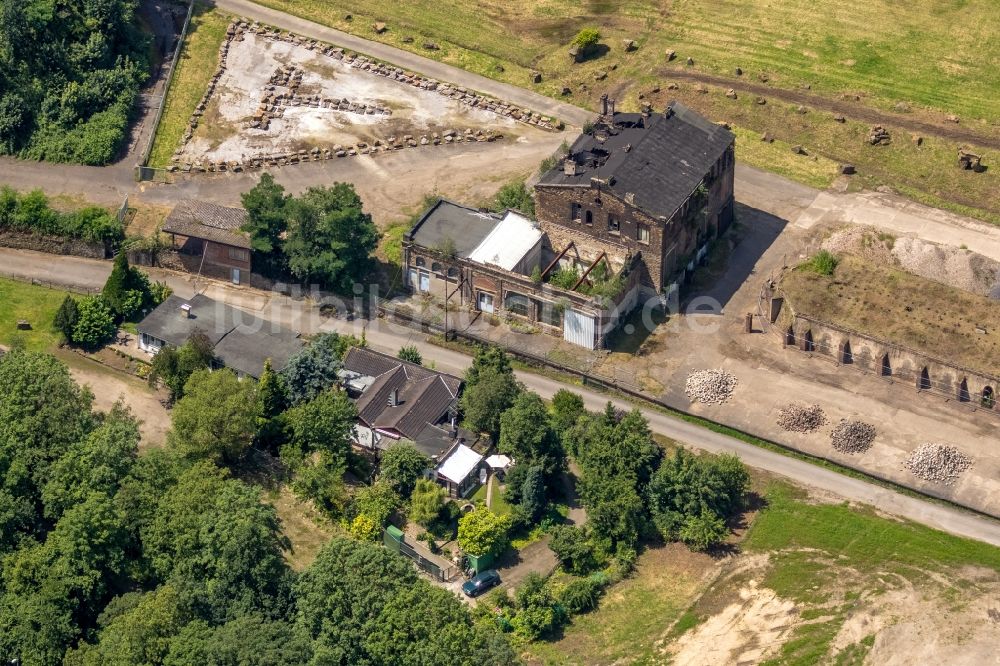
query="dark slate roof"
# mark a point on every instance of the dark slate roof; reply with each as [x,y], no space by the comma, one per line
[435,441]
[241,341]
[201,219]
[424,396]
[466,227]
[659,159]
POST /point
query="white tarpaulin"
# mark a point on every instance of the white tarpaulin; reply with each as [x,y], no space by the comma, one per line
[457,466]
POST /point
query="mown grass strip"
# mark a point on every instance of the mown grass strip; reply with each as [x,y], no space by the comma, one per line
[198,61]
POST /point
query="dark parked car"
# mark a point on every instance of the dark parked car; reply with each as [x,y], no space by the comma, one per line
[481,583]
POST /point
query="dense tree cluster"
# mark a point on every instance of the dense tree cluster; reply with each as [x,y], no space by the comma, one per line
[109,557]
[32,213]
[322,236]
[69,73]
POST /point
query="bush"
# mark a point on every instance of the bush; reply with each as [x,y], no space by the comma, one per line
[703,531]
[587,39]
[574,549]
[515,196]
[410,353]
[481,531]
[582,594]
[66,318]
[822,263]
[95,323]
[426,502]
[31,213]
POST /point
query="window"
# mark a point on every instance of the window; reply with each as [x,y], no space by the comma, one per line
[436,267]
[642,233]
[574,212]
[550,314]
[419,261]
[452,271]
[614,226]
[518,304]
[589,219]
[239,254]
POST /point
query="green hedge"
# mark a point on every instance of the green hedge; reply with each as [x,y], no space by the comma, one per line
[32,213]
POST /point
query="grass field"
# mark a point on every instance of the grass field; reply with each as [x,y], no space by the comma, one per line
[198,61]
[831,560]
[921,62]
[38,305]
[892,304]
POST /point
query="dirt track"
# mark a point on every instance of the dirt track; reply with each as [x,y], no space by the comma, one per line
[849,109]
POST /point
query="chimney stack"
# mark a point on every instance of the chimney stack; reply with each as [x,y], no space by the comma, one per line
[569,167]
[612,102]
[186,311]
[604,104]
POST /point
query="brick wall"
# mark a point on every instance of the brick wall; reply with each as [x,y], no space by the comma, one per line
[671,243]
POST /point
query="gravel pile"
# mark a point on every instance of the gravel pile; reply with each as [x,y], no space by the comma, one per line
[852,436]
[710,386]
[801,418]
[938,463]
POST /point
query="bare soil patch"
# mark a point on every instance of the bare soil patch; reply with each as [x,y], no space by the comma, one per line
[252,73]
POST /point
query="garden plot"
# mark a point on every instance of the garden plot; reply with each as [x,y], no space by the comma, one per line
[276,97]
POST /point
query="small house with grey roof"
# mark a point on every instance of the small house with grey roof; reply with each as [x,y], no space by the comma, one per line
[240,341]
[209,239]
[399,401]
[654,185]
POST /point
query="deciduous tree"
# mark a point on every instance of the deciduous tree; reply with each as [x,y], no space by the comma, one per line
[217,417]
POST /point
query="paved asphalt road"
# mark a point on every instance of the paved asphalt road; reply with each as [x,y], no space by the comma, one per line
[389,338]
[568,113]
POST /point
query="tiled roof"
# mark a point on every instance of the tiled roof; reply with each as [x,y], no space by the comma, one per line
[657,159]
[423,396]
[201,219]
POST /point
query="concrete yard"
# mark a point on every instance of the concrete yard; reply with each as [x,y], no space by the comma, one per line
[308,85]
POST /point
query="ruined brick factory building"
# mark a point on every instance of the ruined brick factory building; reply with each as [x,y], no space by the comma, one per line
[659,185]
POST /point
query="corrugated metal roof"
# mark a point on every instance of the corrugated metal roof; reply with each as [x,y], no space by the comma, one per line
[508,242]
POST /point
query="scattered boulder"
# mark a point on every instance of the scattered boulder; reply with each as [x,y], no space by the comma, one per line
[690,60]
[766,137]
[600,76]
[566,91]
[671,54]
[800,109]
[901,107]
[840,119]
[629,45]
[760,101]
[701,89]
[432,46]
[672,86]
[799,150]
[763,77]
[847,169]
[916,139]
[952,118]
[879,136]
[536,77]
[408,39]
[731,94]
[498,67]
[738,71]
[379,27]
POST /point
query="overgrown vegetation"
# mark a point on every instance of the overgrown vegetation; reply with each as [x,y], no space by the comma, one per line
[322,236]
[32,213]
[112,557]
[515,196]
[69,74]
[823,263]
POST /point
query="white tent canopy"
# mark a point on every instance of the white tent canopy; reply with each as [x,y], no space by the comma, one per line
[459,464]
[499,461]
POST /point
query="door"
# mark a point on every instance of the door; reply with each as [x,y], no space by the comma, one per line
[578,328]
[425,281]
[486,302]
[236,276]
